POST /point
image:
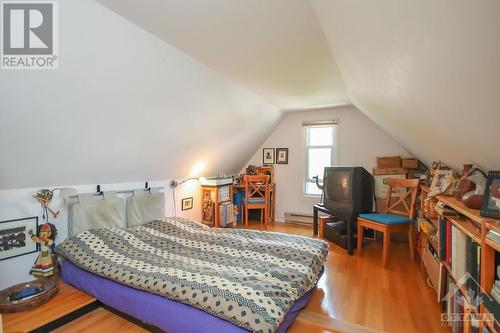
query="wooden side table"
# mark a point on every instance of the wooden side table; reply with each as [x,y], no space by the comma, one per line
[322,220]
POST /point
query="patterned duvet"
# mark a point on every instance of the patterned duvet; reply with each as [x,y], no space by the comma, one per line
[249,278]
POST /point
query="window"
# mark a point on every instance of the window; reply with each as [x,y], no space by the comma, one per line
[321,152]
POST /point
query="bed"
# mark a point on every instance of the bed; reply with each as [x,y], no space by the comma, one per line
[182,276]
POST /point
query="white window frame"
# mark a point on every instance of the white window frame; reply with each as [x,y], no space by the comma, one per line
[334,151]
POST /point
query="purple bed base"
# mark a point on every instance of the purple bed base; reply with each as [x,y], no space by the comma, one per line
[168,315]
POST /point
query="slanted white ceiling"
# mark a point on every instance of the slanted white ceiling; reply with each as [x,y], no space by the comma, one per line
[276,48]
[123,106]
[428,72]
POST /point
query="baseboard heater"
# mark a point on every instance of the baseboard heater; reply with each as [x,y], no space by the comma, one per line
[298,218]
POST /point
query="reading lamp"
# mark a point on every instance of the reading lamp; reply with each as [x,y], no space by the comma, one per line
[174,183]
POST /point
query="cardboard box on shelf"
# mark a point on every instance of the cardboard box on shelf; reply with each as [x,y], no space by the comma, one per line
[385,162]
[389,171]
[410,163]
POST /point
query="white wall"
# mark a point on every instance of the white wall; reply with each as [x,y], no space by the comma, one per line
[427,72]
[15,204]
[123,106]
[360,142]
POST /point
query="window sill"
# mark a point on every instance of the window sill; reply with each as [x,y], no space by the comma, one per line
[312,196]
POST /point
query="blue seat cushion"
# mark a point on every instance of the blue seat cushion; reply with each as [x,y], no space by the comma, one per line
[254,201]
[386,218]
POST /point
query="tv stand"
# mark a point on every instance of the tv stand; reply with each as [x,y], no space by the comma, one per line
[349,220]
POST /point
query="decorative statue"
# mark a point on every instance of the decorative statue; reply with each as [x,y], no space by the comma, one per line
[316,180]
[251,170]
[44,265]
[436,165]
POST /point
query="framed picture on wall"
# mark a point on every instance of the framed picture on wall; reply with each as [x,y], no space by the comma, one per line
[187,203]
[14,238]
[268,156]
[281,155]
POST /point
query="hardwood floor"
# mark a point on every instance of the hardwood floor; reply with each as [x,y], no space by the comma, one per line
[353,291]
[359,290]
[98,321]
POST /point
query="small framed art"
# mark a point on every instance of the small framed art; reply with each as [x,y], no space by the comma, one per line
[268,156]
[187,203]
[281,155]
[491,204]
[14,238]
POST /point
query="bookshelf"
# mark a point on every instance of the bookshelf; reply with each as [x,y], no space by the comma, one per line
[488,271]
[479,249]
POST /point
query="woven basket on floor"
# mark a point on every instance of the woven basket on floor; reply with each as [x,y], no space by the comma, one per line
[49,284]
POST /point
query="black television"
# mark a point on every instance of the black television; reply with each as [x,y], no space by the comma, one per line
[348,191]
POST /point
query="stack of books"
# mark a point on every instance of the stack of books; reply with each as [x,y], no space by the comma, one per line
[444,210]
[494,236]
[495,291]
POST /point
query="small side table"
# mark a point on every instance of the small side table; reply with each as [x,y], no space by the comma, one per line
[349,219]
[321,224]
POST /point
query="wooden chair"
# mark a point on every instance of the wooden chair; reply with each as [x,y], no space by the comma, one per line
[398,216]
[256,196]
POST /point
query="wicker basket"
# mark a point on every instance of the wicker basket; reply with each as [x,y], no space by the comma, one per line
[49,284]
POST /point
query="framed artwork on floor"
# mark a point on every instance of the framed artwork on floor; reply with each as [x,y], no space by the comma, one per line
[187,203]
[268,156]
[281,155]
[14,238]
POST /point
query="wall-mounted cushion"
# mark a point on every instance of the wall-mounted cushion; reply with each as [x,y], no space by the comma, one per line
[93,211]
[386,218]
[145,207]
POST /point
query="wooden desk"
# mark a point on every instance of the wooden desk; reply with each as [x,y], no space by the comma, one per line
[272,198]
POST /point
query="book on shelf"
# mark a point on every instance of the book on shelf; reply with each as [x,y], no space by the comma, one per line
[491,304]
[473,263]
[442,239]
[496,295]
[462,255]
[454,306]
[494,236]
[447,226]
[458,253]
